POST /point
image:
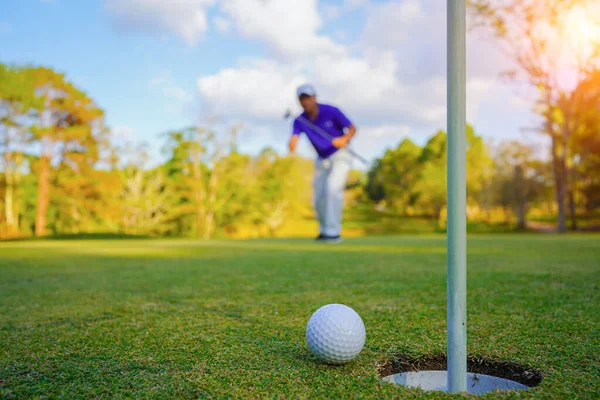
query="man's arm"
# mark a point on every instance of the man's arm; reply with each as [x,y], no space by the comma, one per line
[296,131]
[293,142]
[349,127]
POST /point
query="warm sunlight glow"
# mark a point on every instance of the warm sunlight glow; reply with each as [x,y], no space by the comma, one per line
[581,27]
[573,44]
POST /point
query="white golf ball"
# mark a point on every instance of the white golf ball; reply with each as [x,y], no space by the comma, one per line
[335,334]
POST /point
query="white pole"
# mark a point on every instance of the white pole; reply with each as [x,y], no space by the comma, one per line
[456,233]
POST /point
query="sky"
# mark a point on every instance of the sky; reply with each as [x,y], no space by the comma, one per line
[157,65]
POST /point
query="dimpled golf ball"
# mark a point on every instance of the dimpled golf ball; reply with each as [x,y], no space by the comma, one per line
[335,334]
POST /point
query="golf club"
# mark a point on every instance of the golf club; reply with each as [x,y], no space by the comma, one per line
[324,134]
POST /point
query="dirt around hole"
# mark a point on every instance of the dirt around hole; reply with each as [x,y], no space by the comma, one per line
[499,368]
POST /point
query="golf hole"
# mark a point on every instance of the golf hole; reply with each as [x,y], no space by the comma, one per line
[483,375]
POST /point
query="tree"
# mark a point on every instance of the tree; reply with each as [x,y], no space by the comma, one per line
[399,170]
[277,190]
[430,185]
[66,129]
[144,197]
[411,177]
[585,101]
[199,165]
[233,195]
[17,104]
[518,179]
[354,192]
[547,40]
[374,187]
[478,165]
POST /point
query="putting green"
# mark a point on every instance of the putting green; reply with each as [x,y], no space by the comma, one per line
[226,319]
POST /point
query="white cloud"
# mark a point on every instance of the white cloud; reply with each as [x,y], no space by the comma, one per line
[222,24]
[477,88]
[415,34]
[519,103]
[362,85]
[392,83]
[186,18]
[379,83]
[368,89]
[393,23]
[415,30]
[288,27]
[372,136]
[259,89]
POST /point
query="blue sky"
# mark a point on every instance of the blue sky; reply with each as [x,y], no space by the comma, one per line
[155,65]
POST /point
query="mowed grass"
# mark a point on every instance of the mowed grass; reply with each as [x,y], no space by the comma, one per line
[226,319]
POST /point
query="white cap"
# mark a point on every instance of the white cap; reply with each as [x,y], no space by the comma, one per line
[307,90]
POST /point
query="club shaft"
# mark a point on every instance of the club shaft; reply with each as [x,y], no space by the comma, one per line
[320,131]
[327,136]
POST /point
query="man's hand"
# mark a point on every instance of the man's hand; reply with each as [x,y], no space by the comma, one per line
[293,143]
[341,141]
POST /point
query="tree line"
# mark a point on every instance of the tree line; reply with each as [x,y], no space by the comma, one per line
[62,174]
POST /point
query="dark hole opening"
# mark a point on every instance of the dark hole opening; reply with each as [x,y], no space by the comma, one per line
[499,368]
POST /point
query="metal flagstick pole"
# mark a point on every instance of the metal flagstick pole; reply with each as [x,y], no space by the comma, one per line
[456,227]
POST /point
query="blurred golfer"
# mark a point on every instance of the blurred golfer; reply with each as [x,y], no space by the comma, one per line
[333,161]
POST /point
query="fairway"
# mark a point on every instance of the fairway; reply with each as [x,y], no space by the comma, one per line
[226,319]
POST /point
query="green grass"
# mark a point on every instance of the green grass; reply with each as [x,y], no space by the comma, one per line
[365,220]
[226,319]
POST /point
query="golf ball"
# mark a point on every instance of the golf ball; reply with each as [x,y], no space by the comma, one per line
[335,334]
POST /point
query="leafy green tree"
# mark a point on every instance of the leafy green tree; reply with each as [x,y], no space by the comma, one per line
[66,130]
[413,177]
[479,166]
[277,191]
[430,185]
[232,193]
[207,178]
[17,105]
[535,35]
[374,186]
[518,180]
[354,192]
[144,196]
[399,170]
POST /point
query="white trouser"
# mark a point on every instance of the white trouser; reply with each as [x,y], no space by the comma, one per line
[328,187]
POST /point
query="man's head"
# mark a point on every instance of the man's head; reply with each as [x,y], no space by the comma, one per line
[307,97]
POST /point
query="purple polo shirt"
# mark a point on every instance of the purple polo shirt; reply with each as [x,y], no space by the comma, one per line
[331,120]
